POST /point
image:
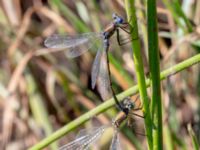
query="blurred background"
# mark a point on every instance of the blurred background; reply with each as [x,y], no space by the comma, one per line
[40,94]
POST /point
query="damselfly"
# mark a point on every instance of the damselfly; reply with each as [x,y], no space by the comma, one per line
[78,44]
[85,139]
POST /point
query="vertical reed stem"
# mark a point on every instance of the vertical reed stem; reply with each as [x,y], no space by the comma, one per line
[130,9]
[154,62]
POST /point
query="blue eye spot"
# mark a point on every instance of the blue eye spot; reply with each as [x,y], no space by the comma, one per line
[119,20]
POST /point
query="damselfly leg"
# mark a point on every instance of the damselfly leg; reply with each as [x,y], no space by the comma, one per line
[127,28]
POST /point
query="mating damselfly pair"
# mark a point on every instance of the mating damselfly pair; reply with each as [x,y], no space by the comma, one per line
[78,44]
[85,139]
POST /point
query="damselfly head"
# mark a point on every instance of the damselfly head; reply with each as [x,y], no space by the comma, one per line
[128,104]
[117,19]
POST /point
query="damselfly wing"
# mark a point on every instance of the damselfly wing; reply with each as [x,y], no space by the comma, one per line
[115,144]
[85,139]
[103,85]
[75,45]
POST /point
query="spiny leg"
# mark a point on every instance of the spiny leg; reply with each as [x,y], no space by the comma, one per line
[131,113]
[120,41]
[126,40]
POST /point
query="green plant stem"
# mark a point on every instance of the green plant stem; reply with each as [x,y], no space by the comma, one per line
[154,63]
[109,103]
[142,21]
[168,138]
[137,56]
[193,138]
[178,14]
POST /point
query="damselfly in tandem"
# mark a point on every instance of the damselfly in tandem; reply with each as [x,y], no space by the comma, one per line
[85,138]
[78,44]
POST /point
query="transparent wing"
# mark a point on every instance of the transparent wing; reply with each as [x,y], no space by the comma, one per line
[75,145]
[84,139]
[96,68]
[103,78]
[75,45]
[115,144]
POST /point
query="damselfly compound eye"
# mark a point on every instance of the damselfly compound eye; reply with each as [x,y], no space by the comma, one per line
[120,20]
